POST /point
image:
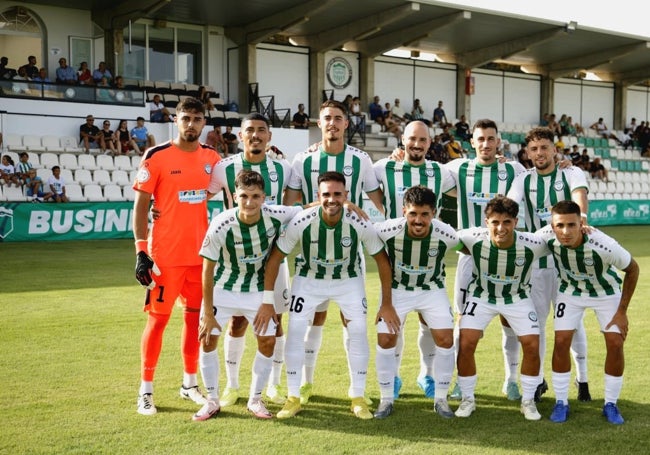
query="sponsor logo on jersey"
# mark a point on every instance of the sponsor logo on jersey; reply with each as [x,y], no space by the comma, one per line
[251,258]
[500,279]
[192,196]
[329,263]
[481,198]
[412,269]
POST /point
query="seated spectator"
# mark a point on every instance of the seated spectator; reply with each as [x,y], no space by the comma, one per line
[23,167]
[584,160]
[34,187]
[597,170]
[57,185]
[454,149]
[6,73]
[107,141]
[119,83]
[602,129]
[89,134]
[439,116]
[8,171]
[84,76]
[141,136]
[356,116]
[632,126]
[624,138]
[124,142]
[386,109]
[231,141]
[158,113]
[564,125]
[301,118]
[42,76]
[374,109]
[390,126]
[22,75]
[398,111]
[554,126]
[544,120]
[101,72]
[205,95]
[104,90]
[31,70]
[348,103]
[576,128]
[522,157]
[417,113]
[437,151]
[574,155]
[463,129]
[215,140]
[65,74]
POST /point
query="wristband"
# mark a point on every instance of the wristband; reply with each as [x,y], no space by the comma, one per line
[141,245]
[268,297]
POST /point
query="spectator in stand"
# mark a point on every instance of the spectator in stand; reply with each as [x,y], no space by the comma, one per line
[65,74]
[601,128]
[574,155]
[390,125]
[632,126]
[564,125]
[8,171]
[101,72]
[439,116]
[22,75]
[231,141]
[158,113]
[624,138]
[386,109]
[301,118]
[437,151]
[31,70]
[204,96]
[577,128]
[374,109]
[417,113]
[554,125]
[5,72]
[123,139]
[544,121]
[107,141]
[597,170]
[34,187]
[522,157]
[119,83]
[356,116]
[84,76]
[644,139]
[398,111]
[463,130]
[23,166]
[57,185]
[638,131]
[89,135]
[42,76]
[215,140]
[584,161]
[141,137]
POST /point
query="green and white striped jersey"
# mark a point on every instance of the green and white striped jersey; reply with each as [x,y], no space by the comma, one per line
[276,173]
[353,163]
[329,252]
[476,185]
[417,263]
[501,275]
[396,177]
[240,250]
[590,269]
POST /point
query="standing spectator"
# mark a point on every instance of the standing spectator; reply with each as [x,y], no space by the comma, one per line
[374,109]
[141,136]
[301,118]
[65,74]
[101,72]
[215,140]
[31,70]
[57,185]
[176,175]
[5,72]
[439,116]
[8,171]
[89,135]
[157,111]
[34,187]
[107,141]
[231,141]
[84,76]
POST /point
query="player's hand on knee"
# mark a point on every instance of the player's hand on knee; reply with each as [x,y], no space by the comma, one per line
[144,266]
[265,314]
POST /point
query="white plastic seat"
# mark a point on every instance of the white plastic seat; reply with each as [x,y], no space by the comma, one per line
[120,177]
[113,192]
[52,144]
[74,192]
[101,177]
[105,162]
[13,142]
[34,159]
[93,193]
[123,162]
[88,162]
[49,160]
[132,175]
[67,176]
[44,174]
[83,177]
[129,193]
[135,161]
[68,161]
[14,194]
[70,144]
[33,143]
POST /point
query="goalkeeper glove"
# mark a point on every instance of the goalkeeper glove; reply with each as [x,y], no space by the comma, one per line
[144,265]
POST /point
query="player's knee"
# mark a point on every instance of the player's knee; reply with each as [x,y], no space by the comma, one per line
[614,341]
[319,318]
[443,338]
[386,340]
[238,325]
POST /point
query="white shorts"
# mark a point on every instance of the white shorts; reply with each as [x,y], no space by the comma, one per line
[463,278]
[570,308]
[326,304]
[233,303]
[520,315]
[281,289]
[308,293]
[433,306]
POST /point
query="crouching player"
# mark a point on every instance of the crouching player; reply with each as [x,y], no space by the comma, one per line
[586,264]
[416,245]
[234,251]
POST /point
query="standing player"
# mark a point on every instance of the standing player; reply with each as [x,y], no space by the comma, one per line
[416,245]
[255,135]
[331,154]
[176,174]
[540,188]
[477,182]
[501,260]
[395,177]
[329,267]
[588,279]
[234,250]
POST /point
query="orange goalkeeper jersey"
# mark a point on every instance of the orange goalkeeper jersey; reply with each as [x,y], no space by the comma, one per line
[178,181]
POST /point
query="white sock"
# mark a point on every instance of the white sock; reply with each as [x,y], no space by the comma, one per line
[399,350]
[444,368]
[189,380]
[385,362]
[233,351]
[146,387]
[358,356]
[427,351]
[261,370]
[510,345]
[313,340]
[613,386]
[467,385]
[294,354]
[561,386]
[529,386]
[278,361]
[209,364]
[579,352]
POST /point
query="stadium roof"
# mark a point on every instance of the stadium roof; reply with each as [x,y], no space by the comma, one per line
[469,37]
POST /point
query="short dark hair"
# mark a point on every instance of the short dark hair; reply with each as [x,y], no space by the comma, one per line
[336,105]
[140,118]
[566,208]
[540,132]
[255,116]
[420,195]
[21,154]
[485,123]
[191,104]
[331,176]
[246,177]
[54,168]
[502,205]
